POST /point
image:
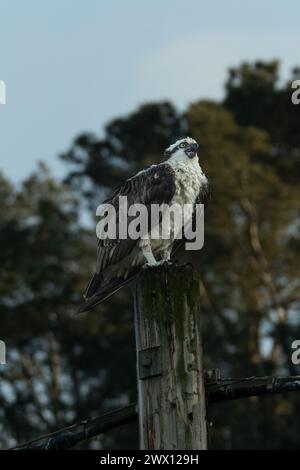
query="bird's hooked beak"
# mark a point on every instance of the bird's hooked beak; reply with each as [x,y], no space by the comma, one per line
[191,150]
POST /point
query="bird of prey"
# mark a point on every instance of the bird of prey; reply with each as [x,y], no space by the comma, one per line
[179,180]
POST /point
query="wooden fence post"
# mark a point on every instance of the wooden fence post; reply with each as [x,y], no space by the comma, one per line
[171,395]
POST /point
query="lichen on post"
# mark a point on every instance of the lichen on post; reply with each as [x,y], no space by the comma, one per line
[171,394]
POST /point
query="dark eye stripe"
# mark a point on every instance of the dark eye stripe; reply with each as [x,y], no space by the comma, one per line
[182,145]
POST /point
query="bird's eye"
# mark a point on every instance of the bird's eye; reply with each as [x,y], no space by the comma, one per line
[182,145]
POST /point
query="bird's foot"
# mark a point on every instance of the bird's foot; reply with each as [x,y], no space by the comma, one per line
[156,264]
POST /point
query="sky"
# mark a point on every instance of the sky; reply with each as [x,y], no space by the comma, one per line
[72,65]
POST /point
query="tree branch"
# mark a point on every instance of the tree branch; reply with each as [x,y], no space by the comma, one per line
[216,392]
[72,435]
[233,389]
[261,260]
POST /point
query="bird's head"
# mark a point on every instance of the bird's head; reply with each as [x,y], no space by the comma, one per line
[182,149]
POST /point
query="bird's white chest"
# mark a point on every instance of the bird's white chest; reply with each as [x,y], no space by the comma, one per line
[188,182]
[189,179]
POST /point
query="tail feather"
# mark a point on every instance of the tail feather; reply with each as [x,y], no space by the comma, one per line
[95,293]
[93,286]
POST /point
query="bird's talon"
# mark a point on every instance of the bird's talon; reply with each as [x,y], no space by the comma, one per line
[154,265]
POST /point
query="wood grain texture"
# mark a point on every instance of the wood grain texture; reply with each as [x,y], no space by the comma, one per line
[172,412]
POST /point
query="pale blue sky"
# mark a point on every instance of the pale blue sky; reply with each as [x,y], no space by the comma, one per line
[71,65]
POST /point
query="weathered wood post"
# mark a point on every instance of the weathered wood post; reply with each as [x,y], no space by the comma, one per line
[171,392]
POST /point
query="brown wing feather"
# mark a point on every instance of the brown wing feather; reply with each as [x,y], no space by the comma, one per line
[153,185]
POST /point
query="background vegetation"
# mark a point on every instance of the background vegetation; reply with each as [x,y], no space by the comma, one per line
[62,368]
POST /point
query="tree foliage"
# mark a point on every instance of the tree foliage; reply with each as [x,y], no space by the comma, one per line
[62,368]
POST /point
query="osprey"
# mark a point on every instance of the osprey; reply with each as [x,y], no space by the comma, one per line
[177,180]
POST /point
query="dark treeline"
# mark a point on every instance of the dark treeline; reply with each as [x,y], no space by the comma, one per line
[62,368]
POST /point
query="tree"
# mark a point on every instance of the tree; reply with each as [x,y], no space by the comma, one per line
[255,97]
[249,267]
[56,370]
